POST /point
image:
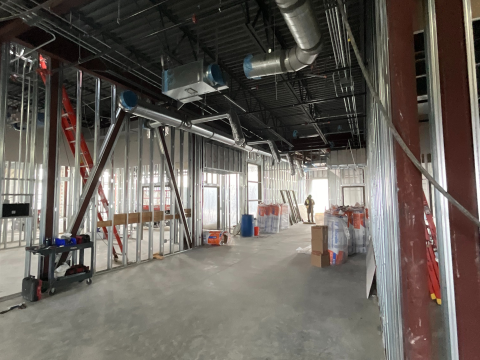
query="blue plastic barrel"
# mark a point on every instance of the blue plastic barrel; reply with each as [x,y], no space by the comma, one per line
[246,229]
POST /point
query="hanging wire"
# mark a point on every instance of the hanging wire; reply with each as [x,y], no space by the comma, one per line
[386,117]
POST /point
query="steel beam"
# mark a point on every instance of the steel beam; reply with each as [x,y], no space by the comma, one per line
[162,145]
[51,149]
[92,183]
[414,282]
[455,50]
[17,27]
[52,123]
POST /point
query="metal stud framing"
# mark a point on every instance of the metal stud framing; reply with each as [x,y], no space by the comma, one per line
[162,145]
[138,244]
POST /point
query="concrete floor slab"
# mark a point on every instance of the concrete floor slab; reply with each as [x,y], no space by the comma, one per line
[12,259]
[257,299]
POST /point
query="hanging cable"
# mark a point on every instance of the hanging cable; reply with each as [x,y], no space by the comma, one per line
[393,130]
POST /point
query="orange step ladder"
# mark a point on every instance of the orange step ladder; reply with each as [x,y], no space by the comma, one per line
[432,265]
[69,125]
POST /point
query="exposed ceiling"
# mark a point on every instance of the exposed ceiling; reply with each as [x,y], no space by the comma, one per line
[130,52]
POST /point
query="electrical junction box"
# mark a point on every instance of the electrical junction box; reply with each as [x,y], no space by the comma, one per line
[189,82]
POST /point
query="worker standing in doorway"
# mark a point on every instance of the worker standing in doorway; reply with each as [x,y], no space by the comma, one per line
[309,203]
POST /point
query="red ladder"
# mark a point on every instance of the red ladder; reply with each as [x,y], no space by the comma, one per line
[432,265]
[69,125]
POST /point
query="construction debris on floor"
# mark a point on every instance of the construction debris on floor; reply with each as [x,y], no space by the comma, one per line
[216,237]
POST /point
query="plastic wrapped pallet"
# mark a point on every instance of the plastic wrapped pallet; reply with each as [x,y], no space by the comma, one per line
[351,241]
[274,222]
[284,217]
[261,217]
[268,220]
[338,238]
[359,232]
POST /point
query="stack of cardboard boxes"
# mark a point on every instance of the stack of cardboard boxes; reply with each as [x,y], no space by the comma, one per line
[320,255]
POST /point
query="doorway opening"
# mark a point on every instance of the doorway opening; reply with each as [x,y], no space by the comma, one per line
[320,194]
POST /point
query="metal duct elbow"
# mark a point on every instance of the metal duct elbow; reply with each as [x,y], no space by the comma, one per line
[237,131]
[292,165]
[300,168]
[301,20]
[273,148]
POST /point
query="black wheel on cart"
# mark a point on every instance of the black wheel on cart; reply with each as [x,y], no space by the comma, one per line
[52,291]
[89,281]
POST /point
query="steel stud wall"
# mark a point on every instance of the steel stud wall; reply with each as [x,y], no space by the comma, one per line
[382,195]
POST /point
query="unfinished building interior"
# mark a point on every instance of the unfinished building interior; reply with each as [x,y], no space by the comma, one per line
[239,179]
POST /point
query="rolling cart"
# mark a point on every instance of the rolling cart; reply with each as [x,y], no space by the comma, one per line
[52,251]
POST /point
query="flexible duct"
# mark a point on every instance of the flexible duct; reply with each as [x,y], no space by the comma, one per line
[273,148]
[300,168]
[159,116]
[301,20]
[237,131]
[292,165]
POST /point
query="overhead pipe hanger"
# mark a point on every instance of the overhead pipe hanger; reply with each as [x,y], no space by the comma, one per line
[159,116]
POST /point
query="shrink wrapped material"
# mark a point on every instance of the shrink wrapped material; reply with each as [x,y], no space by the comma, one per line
[274,221]
[261,217]
[284,217]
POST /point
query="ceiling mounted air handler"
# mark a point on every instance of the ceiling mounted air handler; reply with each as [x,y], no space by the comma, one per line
[187,83]
[302,23]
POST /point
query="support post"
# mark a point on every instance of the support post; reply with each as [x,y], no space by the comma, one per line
[439,172]
[4,72]
[173,208]
[415,297]
[77,178]
[49,176]
[96,135]
[180,180]
[460,114]
[126,192]
[138,248]
[162,144]
[52,111]
[191,183]
[161,175]
[150,197]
